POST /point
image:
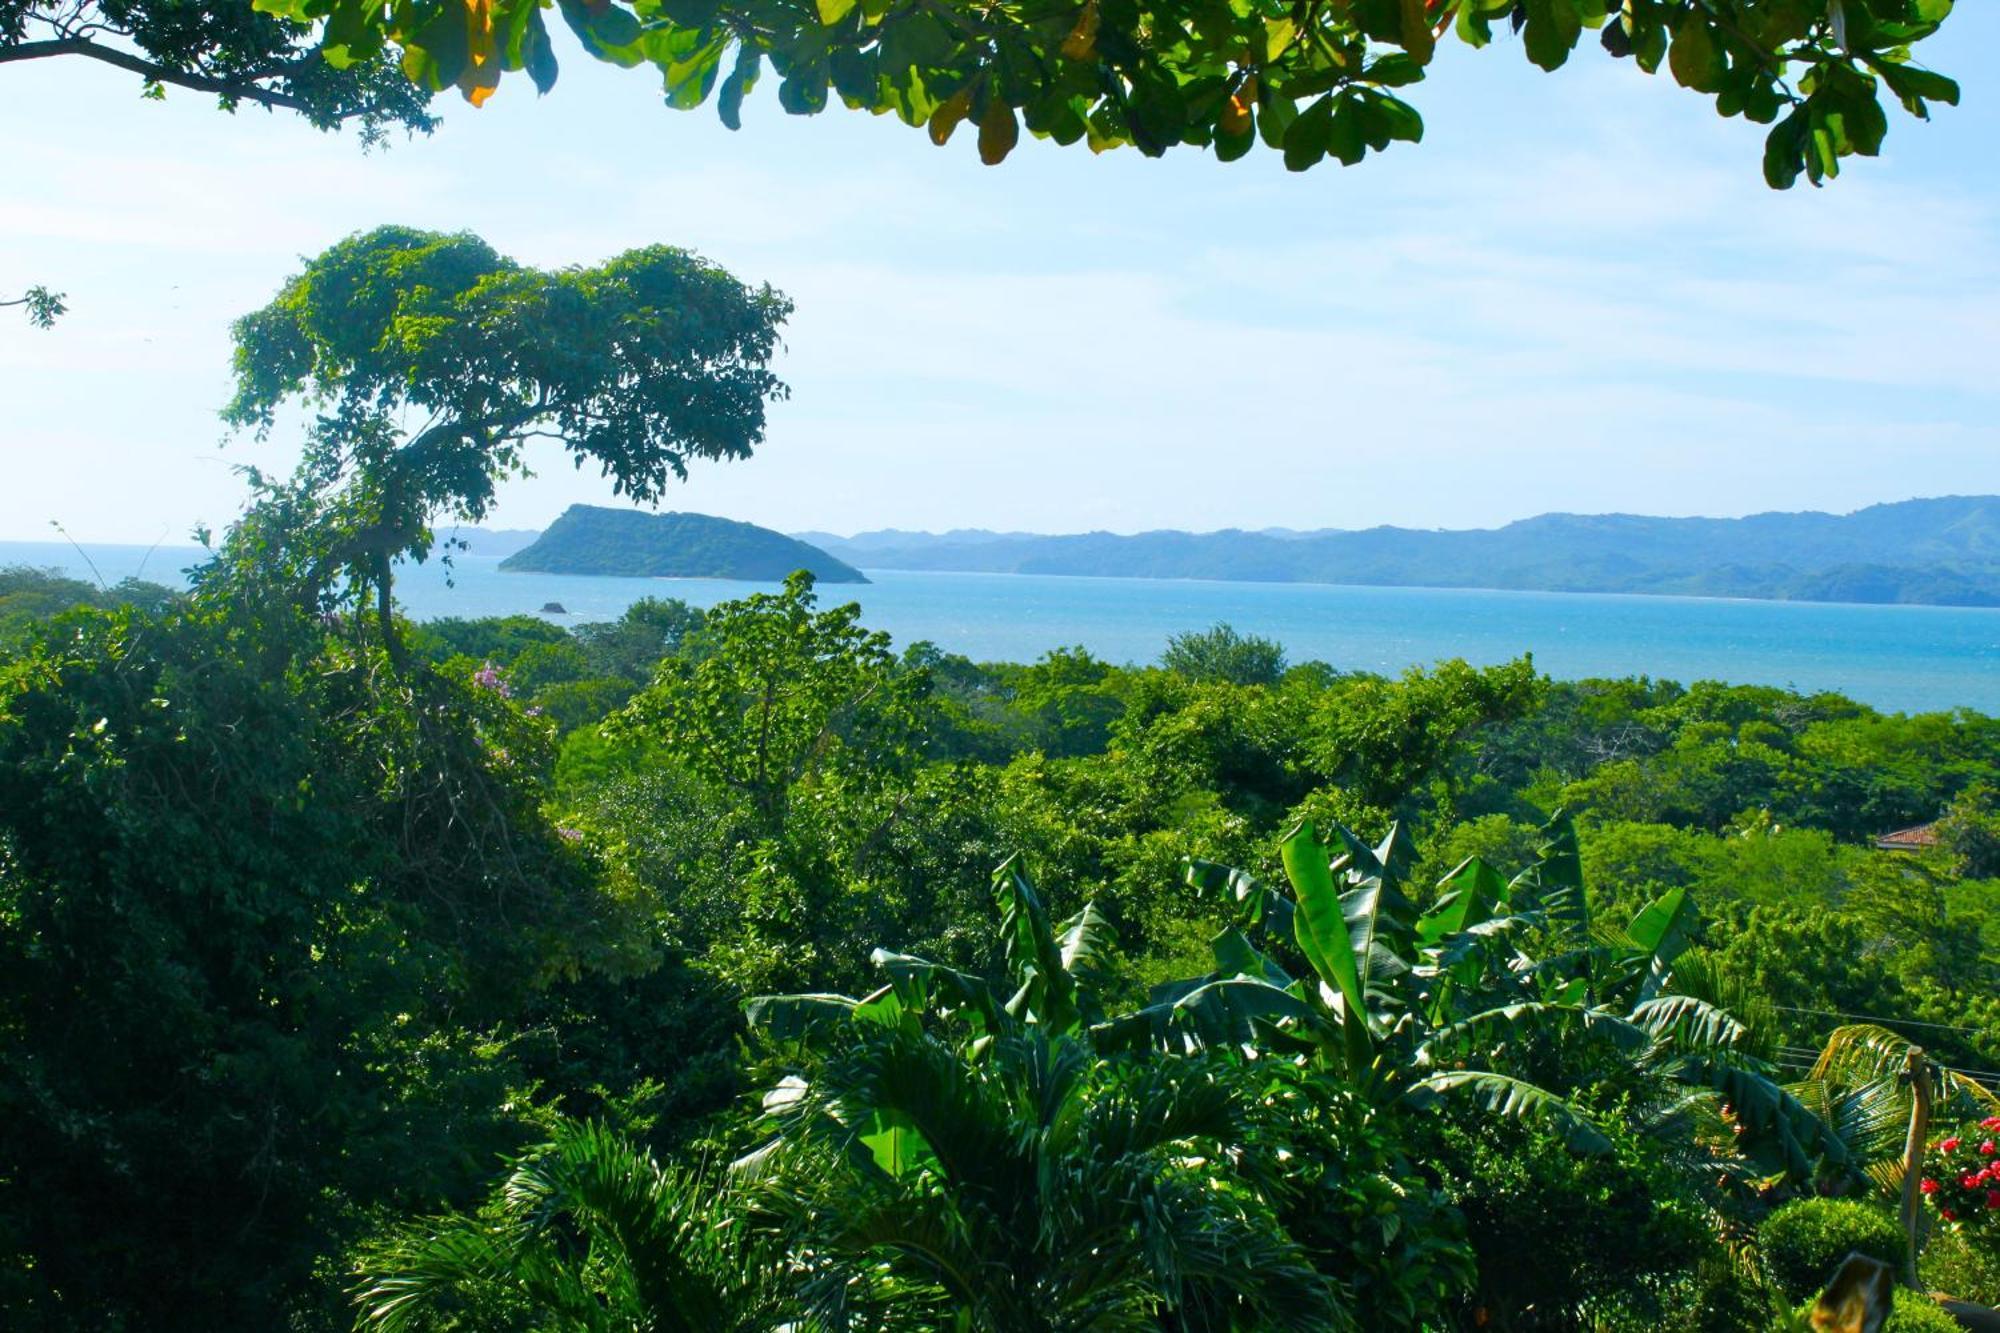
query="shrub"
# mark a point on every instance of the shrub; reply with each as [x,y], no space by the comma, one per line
[1804,1242]
[1915,1314]
[1961,1268]
[1564,1240]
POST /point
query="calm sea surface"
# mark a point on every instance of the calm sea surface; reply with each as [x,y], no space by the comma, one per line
[1896,657]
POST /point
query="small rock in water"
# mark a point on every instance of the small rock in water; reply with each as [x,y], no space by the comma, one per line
[554,609]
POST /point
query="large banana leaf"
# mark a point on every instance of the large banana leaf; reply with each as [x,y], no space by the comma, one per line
[926,987]
[1660,934]
[1223,1014]
[1257,903]
[1684,1022]
[1514,1021]
[1396,854]
[1476,943]
[1515,1099]
[1318,923]
[1082,939]
[1773,1118]
[1554,884]
[1466,897]
[1235,956]
[789,1018]
[1047,993]
[1380,931]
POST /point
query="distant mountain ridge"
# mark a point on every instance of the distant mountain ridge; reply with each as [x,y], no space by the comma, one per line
[589,539]
[490,543]
[1943,551]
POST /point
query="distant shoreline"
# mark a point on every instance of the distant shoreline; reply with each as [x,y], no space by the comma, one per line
[64,555]
[1432,587]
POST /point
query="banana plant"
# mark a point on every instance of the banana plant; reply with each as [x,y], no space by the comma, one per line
[1413,1006]
[945,1158]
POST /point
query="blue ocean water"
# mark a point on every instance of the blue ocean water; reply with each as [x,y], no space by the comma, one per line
[1904,658]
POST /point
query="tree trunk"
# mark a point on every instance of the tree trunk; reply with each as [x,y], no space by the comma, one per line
[1913,1157]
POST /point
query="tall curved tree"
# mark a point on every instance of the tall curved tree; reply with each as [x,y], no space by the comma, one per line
[638,365]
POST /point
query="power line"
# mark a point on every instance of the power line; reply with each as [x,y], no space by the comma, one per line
[1865,1017]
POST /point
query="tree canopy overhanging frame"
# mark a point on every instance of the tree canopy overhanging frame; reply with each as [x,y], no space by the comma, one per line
[1312,79]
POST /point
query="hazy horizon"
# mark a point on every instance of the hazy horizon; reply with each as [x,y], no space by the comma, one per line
[53,537]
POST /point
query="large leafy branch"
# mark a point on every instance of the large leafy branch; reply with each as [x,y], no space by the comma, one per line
[1312,79]
[232,51]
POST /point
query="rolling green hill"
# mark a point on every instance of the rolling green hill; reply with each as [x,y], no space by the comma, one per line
[1941,552]
[588,539]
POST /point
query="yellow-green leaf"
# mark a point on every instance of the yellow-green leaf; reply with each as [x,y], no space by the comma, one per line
[1278,34]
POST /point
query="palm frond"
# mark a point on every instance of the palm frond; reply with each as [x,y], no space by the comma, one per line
[588,1231]
[1861,1053]
[1772,1117]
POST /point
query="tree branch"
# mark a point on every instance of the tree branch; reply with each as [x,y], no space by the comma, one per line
[157,73]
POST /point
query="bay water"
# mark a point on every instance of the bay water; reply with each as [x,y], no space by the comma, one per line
[1899,658]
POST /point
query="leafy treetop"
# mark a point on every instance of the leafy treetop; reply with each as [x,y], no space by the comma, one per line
[1310,78]
[638,364]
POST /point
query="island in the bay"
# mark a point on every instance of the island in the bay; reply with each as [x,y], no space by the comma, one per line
[591,539]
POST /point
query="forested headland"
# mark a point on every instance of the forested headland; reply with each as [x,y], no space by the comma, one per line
[590,539]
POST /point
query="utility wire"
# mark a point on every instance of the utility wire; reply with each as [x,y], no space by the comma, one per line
[1870,1018]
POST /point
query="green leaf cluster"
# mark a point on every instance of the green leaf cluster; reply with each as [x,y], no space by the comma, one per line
[1314,80]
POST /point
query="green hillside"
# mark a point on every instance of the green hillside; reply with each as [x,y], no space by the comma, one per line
[1942,552]
[588,539]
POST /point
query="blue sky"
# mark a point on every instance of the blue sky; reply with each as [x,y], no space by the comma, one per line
[1575,294]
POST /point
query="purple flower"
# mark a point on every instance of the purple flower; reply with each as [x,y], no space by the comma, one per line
[488,678]
[570,834]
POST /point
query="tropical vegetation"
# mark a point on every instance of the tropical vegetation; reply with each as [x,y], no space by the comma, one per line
[743,969]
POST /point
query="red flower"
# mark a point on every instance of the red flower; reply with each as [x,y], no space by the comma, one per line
[1988,1148]
[1929,1187]
[1993,1199]
[1968,1181]
[1947,1214]
[1990,1122]
[1949,1145]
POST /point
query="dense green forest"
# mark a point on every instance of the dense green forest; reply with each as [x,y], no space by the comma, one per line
[1943,552]
[432,994]
[589,539]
